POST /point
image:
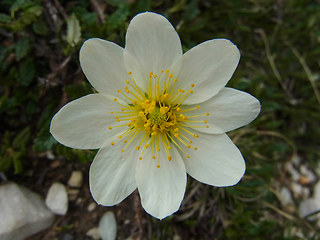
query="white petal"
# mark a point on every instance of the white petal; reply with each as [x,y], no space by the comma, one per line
[229,109]
[83,123]
[208,66]
[112,173]
[103,64]
[152,45]
[161,189]
[108,226]
[217,161]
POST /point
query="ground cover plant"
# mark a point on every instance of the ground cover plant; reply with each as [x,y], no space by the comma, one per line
[279,65]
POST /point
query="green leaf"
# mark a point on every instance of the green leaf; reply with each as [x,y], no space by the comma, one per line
[4,18]
[22,138]
[22,48]
[118,17]
[73,30]
[39,27]
[26,72]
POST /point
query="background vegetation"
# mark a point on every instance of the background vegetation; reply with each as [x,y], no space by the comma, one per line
[280,61]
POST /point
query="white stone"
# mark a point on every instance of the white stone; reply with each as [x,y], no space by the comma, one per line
[75,179]
[108,226]
[57,199]
[317,191]
[297,189]
[94,233]
[23,213]
[309,206]
[308,174]
[293,172]
[285,196]
[92,206]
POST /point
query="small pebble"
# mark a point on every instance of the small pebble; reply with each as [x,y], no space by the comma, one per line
[94,233]
[285,197]
[108,226]
[57,199]
[76,179]
[92,206]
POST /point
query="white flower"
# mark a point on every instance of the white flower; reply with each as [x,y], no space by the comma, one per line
[158,115]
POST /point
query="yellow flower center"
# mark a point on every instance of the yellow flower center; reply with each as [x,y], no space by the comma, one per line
[157,114]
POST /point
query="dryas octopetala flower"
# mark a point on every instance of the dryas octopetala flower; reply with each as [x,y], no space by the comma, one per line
[158,115]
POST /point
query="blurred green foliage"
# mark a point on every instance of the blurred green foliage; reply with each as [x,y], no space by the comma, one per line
[280,52]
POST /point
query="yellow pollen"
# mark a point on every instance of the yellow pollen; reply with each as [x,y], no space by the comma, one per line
[207,114]
[207,126]
[156,115]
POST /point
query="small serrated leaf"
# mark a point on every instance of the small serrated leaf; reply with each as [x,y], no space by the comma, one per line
[22,48]
[73,30]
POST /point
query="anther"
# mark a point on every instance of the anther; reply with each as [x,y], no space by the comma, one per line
[115,99]
[122,150]
[170,75]
[119,91]
[137,147]
[195,148]
[111,112]
[110,128]
[207,114]
[112,143]
[189,146]
[178,110]
[188,156]
[198,107]
[129,73]
[190,91]
[140,158]
[153,157]
[167,70]
[169,158]
[158,166]
[192,85]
